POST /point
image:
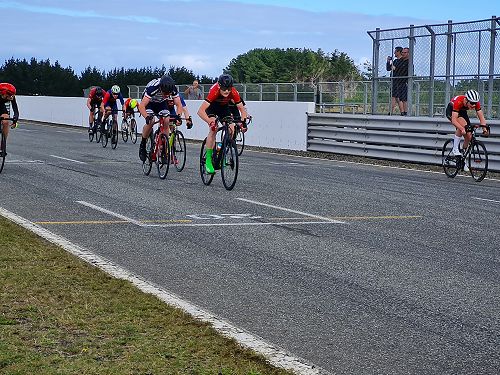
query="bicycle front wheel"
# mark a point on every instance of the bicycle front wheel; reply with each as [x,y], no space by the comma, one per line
[3,151]
[205,177]
[163,156]
[133,131]
[148,163]
[124,130]
[229,166]
[104,135]
[451,164]
[178,151]
[478,161]
[91,133]
[114,135]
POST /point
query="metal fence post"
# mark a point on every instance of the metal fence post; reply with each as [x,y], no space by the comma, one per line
[376,49]
[432,70]
[410,69]
[449,42]
[491,70]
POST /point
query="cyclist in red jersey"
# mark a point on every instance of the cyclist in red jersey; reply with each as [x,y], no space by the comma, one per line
[217,104]
[8,94]
[94,100]
[456,112]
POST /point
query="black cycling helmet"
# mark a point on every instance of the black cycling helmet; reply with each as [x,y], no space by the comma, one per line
[99,92]
[225,81]
[167,84]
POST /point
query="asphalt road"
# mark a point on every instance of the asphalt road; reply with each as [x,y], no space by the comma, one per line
[359,269]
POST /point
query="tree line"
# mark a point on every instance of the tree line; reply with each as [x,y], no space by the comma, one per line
[41,77]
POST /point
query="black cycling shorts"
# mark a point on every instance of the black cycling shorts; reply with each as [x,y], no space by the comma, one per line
[462,113]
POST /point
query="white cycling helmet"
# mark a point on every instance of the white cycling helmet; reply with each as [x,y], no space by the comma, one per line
[472,96]
[115,89]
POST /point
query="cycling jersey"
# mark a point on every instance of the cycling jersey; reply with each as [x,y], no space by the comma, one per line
[215,97]
[111,101]
[13,105]
[457,103]
[154,93]
[93,97]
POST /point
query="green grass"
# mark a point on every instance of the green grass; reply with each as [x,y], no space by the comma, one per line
[59,315]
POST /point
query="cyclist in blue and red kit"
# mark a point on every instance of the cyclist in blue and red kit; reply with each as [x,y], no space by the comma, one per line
[155,102]
[109,103]
[217,104]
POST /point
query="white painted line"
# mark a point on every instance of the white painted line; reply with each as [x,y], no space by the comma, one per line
[24,161]
[111,213]
[74,161]
[293,211]
[487,200]
[276,356]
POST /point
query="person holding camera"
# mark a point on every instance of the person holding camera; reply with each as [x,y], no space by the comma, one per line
[398,68]
[194,92]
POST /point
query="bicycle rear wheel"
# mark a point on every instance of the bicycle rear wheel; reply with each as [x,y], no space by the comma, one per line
[148,163]
[178,151]
[451,163]
[133,131]
[124,130]
[3,150]
[114,134]
[240,140]
[104,134]
[229,166]
[478,161]
[163,157]
[205,177]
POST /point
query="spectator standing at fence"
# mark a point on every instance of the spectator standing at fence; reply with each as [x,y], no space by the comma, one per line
[399,85]
[193,92]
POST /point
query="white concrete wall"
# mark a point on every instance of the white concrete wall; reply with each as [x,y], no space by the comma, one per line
[275,124]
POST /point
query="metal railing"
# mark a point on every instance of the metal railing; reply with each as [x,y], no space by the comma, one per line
[410,139]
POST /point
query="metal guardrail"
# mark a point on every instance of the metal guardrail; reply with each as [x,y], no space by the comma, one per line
[411,139]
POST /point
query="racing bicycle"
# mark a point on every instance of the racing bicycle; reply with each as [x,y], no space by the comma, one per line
[157,149]
[224,156]
[129,127]
[95,129]
[109,130]
[476,156]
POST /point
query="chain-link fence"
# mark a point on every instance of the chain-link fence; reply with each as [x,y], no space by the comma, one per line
[444,60]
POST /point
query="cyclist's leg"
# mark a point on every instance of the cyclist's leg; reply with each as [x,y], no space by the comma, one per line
[212,111]
[5,124]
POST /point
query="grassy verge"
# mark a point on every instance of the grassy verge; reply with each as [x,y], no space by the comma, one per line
[59,315]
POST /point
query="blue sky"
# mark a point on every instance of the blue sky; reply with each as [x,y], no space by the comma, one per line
[205,35]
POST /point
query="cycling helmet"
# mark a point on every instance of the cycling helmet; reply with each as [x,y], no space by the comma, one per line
[472,96]
[99,92]
[115,89]
[167,84]
[133,103]
[7,89]
[225,81]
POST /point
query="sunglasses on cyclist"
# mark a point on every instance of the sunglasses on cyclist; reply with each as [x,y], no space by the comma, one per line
[225,88]
[472,103]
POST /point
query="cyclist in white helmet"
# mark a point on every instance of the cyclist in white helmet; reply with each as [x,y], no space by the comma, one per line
[456,112]
[109,103]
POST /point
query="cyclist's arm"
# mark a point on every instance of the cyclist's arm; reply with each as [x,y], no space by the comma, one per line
[88,103]
[178,104]
[243,111]
[15,109]
[202,112]
[480,116]
[142,106]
